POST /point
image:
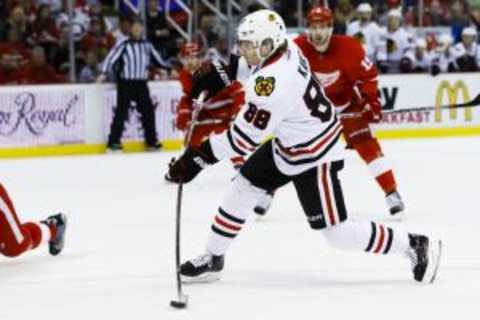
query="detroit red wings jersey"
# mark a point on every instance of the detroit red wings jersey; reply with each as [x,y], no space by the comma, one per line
[221,108]
[283,99]
[342,68]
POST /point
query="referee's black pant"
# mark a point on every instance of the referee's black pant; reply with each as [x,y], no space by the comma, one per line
[128,91]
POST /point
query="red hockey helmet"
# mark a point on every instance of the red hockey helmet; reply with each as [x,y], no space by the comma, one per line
[320,14]
[320,27]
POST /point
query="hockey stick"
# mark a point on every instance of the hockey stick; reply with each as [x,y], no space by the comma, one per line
[472,103]
[182,299]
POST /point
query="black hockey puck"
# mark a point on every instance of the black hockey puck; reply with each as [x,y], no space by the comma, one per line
[178,304]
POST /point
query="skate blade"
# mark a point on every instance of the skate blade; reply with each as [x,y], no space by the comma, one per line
[434,255]
[204,278]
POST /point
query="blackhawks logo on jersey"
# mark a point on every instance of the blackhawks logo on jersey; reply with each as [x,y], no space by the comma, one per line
[264,86]
[360,37]
[391,46]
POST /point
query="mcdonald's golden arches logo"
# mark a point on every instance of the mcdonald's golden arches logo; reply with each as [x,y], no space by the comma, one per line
[452,92]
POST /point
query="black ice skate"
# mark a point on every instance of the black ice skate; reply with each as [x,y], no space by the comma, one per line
[205,268]
[114,148]
[425,257]
[264,204]
[59,222]
[157,146]
[395,204]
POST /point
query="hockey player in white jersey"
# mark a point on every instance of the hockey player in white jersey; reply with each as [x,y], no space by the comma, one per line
[283,98]
[419,59]
[443,58]
[368,32]
[398,41]
[467,52]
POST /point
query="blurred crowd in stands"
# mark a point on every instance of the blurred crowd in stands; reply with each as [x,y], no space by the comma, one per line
[35,35]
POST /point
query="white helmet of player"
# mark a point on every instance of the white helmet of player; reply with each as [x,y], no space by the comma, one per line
[364,11]
[264,31]
[394,19]
[443,43]
[421,43]
[469,36]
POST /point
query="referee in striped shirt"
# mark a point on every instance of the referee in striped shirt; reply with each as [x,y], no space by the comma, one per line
[129,60]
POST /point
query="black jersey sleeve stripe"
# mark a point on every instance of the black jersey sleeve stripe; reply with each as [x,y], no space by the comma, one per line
[244,136]
[372,237]
[389,242]
[311,141]
[313,158]
[233,145]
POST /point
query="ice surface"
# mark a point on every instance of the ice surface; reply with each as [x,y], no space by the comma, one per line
[118,263]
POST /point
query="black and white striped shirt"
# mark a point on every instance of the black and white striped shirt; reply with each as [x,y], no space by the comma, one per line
[130,59]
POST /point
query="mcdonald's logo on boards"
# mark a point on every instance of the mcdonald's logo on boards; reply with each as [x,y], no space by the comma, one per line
[448,94]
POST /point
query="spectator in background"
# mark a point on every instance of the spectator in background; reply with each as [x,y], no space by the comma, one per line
[343,14]
[475,15]
[45,31]
[39,71]
[459,20]
[91,70]
[158,32]
[97,39]
[156,23]
[467,52]
[96,12]
[9,72]
[123,29]
[368,33]
[17,22]
[434,14]
[55,5]
[17,51]
[80,23]
[61,57]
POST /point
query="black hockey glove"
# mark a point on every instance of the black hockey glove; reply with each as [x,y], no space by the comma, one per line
[435,70]
[189,165]
[211,77]
[383,66]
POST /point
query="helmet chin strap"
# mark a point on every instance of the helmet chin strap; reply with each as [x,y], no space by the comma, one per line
[262,58]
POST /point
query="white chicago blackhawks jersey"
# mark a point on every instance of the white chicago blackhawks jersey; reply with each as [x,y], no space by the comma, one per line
[444,59]
[284,100]
[460,50]
[398,43]
[371,36]
[420,62]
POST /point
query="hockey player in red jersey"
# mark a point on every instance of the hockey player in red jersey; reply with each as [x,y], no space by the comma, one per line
[17,238]
[350,81]
[217,113]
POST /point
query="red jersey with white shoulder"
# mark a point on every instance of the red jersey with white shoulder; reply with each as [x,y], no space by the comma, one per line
[219,110]
[285,100]
[342,68]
